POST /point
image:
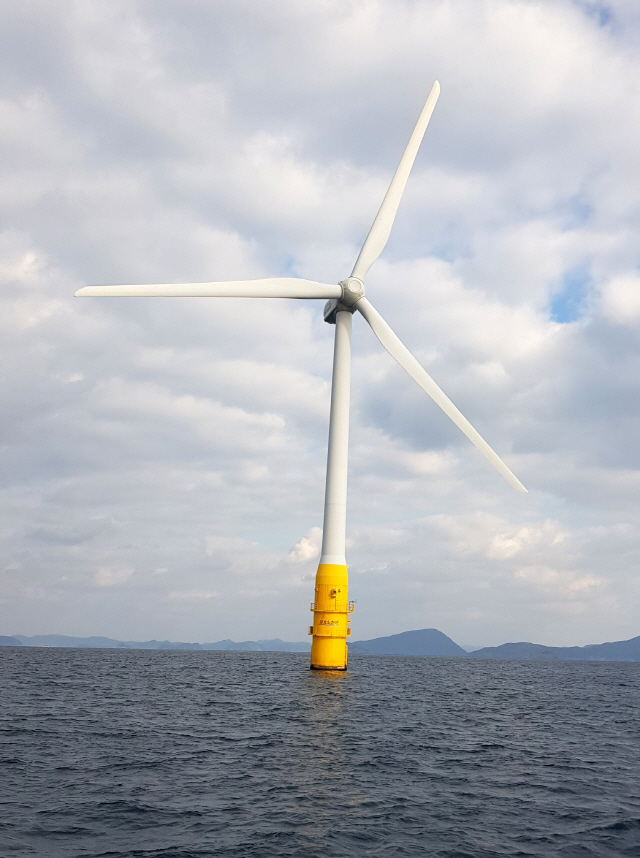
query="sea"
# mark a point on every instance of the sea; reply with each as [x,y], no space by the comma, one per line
[173,754]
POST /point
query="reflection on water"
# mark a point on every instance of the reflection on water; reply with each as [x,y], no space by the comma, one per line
[325,774]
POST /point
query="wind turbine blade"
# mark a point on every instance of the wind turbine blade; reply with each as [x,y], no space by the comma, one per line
[271,287]
[381,227]
[401,353]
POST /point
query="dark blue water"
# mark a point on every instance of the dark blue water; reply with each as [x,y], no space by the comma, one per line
[185,754]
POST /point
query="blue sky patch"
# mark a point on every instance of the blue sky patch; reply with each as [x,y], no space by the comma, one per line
[567,304]
[601,12]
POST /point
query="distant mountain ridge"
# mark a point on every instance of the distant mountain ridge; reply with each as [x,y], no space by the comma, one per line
[275,645]
[431,642]
[612,651]
[420,642]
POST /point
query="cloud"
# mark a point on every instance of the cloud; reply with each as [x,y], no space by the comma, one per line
[110,577]
[621,299]
[504,545]
[306,548]
[190,595]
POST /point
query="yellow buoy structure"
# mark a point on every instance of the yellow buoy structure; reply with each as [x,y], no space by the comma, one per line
[331,606]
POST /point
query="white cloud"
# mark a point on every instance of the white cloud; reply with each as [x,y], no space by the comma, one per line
[621,299]
[504,545]
[306,548]
[191,595]
[108,576]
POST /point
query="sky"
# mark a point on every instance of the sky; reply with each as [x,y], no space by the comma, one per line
[163,459]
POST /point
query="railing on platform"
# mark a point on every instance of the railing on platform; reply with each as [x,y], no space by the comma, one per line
[351,606]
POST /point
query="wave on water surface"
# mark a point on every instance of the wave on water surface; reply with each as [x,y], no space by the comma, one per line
[170,754]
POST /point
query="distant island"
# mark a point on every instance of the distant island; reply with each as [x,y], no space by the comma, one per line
[429,642]
[613,651]
[421,642]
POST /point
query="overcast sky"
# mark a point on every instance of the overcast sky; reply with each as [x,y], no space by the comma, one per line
[163,459]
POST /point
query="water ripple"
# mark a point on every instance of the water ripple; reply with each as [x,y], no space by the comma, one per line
[160,754]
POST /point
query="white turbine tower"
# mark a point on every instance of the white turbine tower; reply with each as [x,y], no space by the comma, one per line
[331,606]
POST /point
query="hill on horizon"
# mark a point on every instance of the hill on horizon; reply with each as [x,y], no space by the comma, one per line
[424,642]
[628,650]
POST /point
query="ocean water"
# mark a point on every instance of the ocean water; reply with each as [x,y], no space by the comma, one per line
[151,754]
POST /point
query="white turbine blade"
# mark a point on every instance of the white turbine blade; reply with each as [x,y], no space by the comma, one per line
[401,353]
[381,227]
[271,287]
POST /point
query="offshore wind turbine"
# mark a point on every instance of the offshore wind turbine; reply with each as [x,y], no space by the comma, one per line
[331,607]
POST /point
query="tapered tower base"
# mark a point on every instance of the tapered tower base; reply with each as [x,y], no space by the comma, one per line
[331,610]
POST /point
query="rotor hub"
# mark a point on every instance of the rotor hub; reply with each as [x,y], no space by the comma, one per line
[352,291]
